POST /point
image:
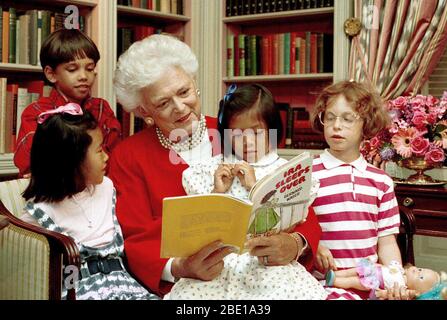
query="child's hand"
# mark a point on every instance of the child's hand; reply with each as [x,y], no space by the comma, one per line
[245,173]
[223,178]
[324,260]
[395,293]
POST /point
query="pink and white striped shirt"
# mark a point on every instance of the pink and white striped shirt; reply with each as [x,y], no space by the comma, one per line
[355,205]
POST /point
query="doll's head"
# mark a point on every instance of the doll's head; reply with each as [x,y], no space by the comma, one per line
[427,283]
[438,291]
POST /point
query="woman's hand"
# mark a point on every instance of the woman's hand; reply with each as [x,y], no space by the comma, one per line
[223,178]
[324,261]
[245,173]
[205,265]
[275,250]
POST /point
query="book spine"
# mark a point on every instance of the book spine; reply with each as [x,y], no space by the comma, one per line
[230,55]
[236,55]
[281,53]
[242,55]
[247,4]
[308,51]
[313,53]
[247,56]
[5,37]
[292,53]
[12,35]
[253,53]
[287,53]
[259,55]
[298,55]
[275,51]
[320,52]
[265,55]
[303,55]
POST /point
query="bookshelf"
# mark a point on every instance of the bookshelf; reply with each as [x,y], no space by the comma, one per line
[291,85]
[101,20]
[138,19]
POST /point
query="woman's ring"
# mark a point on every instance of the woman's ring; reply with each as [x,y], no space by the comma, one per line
[265,260]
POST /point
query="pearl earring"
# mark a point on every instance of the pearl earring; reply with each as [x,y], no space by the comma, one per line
[149,121]
[198,92]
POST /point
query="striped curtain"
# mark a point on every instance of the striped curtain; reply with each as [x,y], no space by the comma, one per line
[400,44]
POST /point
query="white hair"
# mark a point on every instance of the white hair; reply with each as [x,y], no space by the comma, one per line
[145,62]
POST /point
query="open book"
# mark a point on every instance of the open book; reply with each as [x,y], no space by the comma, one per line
[277,202]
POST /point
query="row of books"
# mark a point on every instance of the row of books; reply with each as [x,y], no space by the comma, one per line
[128,35]
[281,53]
[14,98]
[23,32]
[247,7]
[298,132]
[166,6]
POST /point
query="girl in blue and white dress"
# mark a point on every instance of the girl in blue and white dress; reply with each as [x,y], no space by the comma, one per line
[68,193]
[249,112]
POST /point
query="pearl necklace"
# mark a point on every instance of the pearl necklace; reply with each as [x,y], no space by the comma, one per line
[186,144]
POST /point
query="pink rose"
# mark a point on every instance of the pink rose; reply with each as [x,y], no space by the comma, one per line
[431,118]
[419,119]
[399,102]
[435,155]
[419,146]
[431,101]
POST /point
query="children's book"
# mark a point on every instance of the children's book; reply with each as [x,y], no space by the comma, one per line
[277,202]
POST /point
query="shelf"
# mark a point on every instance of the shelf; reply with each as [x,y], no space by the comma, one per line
[156,15]
[280,77]
[20,67]
[7,166]
[294,14]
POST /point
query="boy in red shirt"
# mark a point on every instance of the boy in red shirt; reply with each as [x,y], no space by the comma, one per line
[68,59]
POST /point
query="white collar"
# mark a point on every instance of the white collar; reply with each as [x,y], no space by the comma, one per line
[266,160]
[331,162]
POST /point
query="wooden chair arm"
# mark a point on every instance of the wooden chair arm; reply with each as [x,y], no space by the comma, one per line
[59,244]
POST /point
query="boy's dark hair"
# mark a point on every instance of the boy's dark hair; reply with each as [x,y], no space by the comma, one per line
[65,45]
[58,151]
[253,96]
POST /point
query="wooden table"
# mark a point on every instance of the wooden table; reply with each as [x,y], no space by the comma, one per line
[429,206]
[3,222]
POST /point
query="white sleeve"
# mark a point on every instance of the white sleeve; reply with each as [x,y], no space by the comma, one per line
[198,179]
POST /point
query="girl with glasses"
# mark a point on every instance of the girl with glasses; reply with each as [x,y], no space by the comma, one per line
[355,204]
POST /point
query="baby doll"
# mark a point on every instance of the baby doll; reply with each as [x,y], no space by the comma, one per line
[424,284]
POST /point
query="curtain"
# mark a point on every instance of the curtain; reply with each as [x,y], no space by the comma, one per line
[400,44]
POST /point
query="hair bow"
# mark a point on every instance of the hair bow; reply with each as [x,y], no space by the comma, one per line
[231,89]
[70,108]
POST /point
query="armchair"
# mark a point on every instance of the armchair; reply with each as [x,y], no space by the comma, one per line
[31,258]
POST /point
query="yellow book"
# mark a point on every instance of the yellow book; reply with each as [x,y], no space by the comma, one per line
[277,202]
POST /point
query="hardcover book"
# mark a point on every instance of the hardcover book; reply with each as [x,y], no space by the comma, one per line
[277,202]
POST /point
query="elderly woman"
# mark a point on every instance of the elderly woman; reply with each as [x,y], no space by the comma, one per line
[155,78]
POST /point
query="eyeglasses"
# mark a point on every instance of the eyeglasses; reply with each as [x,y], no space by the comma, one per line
[347,119]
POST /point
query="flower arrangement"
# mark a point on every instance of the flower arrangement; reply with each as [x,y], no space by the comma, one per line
[418,129]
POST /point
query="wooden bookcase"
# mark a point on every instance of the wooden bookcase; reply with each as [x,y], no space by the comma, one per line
[101,20]
[135,23]
[296,89]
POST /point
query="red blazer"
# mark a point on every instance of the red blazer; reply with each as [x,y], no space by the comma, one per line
[143,175]
[99,108]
